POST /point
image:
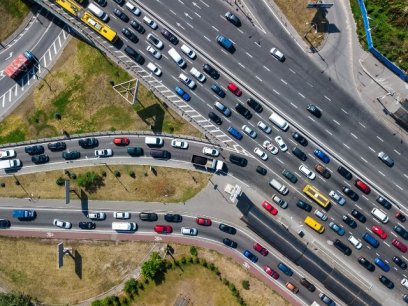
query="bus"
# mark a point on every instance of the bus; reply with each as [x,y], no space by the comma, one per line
[313,224]
[70,6]
[316,195]
[99,27]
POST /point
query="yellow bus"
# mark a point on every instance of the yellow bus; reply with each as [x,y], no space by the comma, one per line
[70,6]
[99,27]
[316,195]
[313,224]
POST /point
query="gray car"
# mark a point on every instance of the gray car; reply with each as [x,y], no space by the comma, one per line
[386,159]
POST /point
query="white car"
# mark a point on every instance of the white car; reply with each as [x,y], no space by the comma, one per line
[404,282]
[320,214]
[96,216]
[197,74]
[282,145]
[7,154]
[270,147]
[121,215]
[150,22]
[135,10]
[262,155]
[188,51]
[62,224]
[277,54]
[103,153]
[153,68]
[354,241]
[156,54]
[155,41]
[247,130]
[180,144]
[335,196]
[187,81]
[306,171]
[264,127]
[190,231]
[211,151]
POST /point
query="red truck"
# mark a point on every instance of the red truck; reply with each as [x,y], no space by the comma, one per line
[19,64]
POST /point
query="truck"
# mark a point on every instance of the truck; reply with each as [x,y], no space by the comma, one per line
[19,64]
[10,164]
[23,214]
[226,43]
[208,163]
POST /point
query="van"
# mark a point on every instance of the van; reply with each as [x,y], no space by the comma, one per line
[313,224]
[160,154]
[124,226]
[380,215]
[279,121]
[154,141]
[282,189]
[177,58]
[98,12]
[371,240]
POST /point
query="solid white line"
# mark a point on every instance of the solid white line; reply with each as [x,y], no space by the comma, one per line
[309,84]
[329,132]
[240,31]
[256,43]
[381,173]
[258,78]
[344,111]
[283,81]
[336,122]
[4,99]
[204,3]
[346,146]
[399,187]
[197,14]
[362,125]
[174,13]
[363,159]
[292,71]
[193,28]
[293,105]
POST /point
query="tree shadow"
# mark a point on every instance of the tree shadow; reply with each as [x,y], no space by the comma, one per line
[78,264]
[152,115]
[84,202]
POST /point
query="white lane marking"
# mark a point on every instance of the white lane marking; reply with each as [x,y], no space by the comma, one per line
[181,1]
[280,161]
[399,187]
[193,28]
[354,136]
[258,78]
[381,173]
[346,146]
[241,65]
[371,149]
[197,14]
[327,98]
[266,68]
[363,159]
[4,99]
[256,43]
[344,111]
[249,55]
[295,106]
[309,84]
[174,13]
[301,95]
[240,31]
[215,28]
[380,139]
[207,38]
[362,125]
[284,82]
[336,122]
[276,92]
[405,175]
[292,71]
[329,132]
[397,152]
[204,3]
[311,118]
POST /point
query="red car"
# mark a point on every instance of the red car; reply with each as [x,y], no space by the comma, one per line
[234,89]
[399,245]
[163,229]
[269,207]
[271,272]
[362,186]
[122,141]
[379,231]
[203,221]
[260,249]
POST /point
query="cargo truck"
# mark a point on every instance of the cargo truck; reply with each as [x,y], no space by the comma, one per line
[22,214]
[208,163]
[19,64]
[226,43]
[10,164]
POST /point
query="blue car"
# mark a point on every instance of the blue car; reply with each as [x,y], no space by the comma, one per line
[235,133]
[285,269]
[336,228]
[322,156]
[250,256]
[371,240]
[379,262]
[185,96]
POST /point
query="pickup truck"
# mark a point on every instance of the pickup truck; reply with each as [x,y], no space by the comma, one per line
[23,214]
[208,163]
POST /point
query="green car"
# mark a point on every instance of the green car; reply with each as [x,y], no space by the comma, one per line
[135,151]
[290,176]
[68,155]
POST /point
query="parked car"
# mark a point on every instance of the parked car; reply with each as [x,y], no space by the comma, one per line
[344,173]
[271,272]
[137,26]
[150,22]
[270,147]
[227,229]
[399,262]
[322,170]
[342,247]
[34,150]
[96,216]
[399,245]
[87,225]
[308,285]
[214,117]
[203,221]
[181,93]
[250,132]
[211,151]
[121,15]
[250,256]
[366,264]
[88,143]
[163,229]
[386,282]
[155,41]
[230,243]
[189,231]
[337,198]
[179,144]
[268,206]
[321,155]
[135,151]
[242,110]
[255,105]
[218,90]
[349,221]
[325,299]
[321,215]
[234,89]
[281,144]
[303,205]
[121,141]
[362,186]
[384,202]
[211,71]
[62,224]
[290,176]
[307,172]
[265,128]
[170,36]
[299,153]
[379,231]
[103,153]
[350,193]
[130,35]
[401,231]
[121,215]
[285,269]
[40,159]
[233,19]
[259,248]
[7,154]
[358,215]
[57,146]
[173,218]
[70,155]
[148,216]
[262,155]
[337,228]
[299,138]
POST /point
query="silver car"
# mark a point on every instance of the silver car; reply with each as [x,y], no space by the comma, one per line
[121,215]
[386,159]
[335,196]
[190,231]
[62,224]
[156,54]
[250,132]
[320,215]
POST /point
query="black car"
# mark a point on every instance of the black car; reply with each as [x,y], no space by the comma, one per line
[230,243]
[214,117]
[57,146]
[256,106]
[299,138]
[399,262]
[314,110]
[358,215]
[137,26]
[261,170]
[238,160]
[135,151]
[399,215]
[227,229]
[101,2]
[366,264]
[384,202]
[70,155]
[121,15]
[87,225]
[120,2]
[386,282]
[303,205]
[349,221]
[34,150]
[173,218]
[342,247]
[130,35]
[170,36]
[144,216]
[233,19]
[4,223]
[88,143]
[211,71]
[133,54]
[218,90]
[401,231]
[40,159]
[350,193]
[243,111]
[344,173]
[299,153]
[309,286]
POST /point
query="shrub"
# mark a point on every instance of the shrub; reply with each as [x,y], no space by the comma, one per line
[17,182]
[117,173]
[153,266]
[132,174]
[225,282]
[211,266]
[103,173]
[130,286]
[73,176]
[141,286]
[183,260]
[232,287]
[91,181]
[60,181]
[3,185]
[190,259]
[196,260]
[245,284]
[193,251]
[169,265]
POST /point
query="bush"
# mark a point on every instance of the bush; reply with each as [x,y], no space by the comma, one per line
[141,286]
[103,173]
[245,284]
[153,266]
[204,263]
[117,173]
[232,287]
[183,260]
[211,266]
[145,174]
[225,282]
[60,181]
[17,182]
[132,174]
[91,181]
[73,176]
[131,286]
[169,265]
[3,185]
[193,251]
[196,260]
[190,259]
[16,298]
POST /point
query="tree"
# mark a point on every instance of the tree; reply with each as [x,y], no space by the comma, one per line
[130,286]
[91,181]
[193,251]
[15,299]
[153,266]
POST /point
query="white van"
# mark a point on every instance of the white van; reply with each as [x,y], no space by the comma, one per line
[95,10]
[282,189]
[380,215]
[124,226]
[154,141]
[177,58]
[279,121]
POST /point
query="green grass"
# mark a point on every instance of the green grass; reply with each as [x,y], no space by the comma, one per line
[12,13]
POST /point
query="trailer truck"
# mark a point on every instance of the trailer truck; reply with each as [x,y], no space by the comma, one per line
[208,163]
[23,214]
[10,164]
[19,64]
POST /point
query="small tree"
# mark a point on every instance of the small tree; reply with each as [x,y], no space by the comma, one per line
[60,181]
[153,266]
[117,173]
[130,286]
[245,284]
[193,251]
[91,181]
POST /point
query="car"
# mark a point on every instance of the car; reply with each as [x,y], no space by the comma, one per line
[350,193]
[314,110]
[265,128]
[173,218]
[120,2]
[189,231]
[322,170]
[276,53]
[96,216]
[358,215]
[121,141]
[271,272]
[179,144]
[214,117]
[62,224]
[401,231]
[349,221]
[303,205]
[211,71]
[337,198]
[218,90]
[260,170]
[230,243]
[211,151]
[366,264]
[379,231]
[238,160]
[262,155]
[169,36]
[153,39]
[290,176]
[255,105]
[222,109]
[281,144]
[70,155]
[130,35]
[362,186]
[321,155]
[250,256]
[354,241]
[399,245]
[227,229]
[299,153]
[386,282]
[299,138]
[121,15]
[34,150]
[234,89]
[137,26]
[399,262]
[233,19]
[292,287]
[121,215]
[400,216]
[285,269]
[337,228]
[163,229]
[181,93]
[325,299]
[187,81]
[135,151]
[342,247]
[268,206]
[344,173]
[40,159]
[135,10]
[4,223]
[386,159]
[197,74]
[133,54]
[384,202]
[282,203]
[150,22]
[188,51]
[307,172]
[321,215]
[103,153]
[270,147]
[101,2]
[404,283]
[250,132]
[380,263]
[148,216]
[153,68]
[308,285]
[259,248]
[242,110]
[88,143]
[405,298]
[6,154]
[87,225]
[57,146]
[203,221]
